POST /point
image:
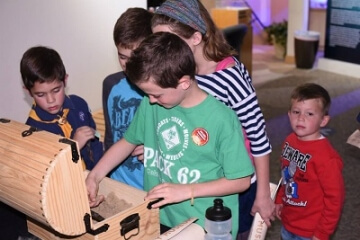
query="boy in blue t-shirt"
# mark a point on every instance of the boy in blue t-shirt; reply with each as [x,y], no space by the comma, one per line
[121,98]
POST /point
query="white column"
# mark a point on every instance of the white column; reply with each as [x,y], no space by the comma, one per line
[298,19]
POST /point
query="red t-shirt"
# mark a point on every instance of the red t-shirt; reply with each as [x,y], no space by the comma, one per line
[312,190]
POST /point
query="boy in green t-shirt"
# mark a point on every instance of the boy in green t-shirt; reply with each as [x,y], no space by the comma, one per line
[194,149]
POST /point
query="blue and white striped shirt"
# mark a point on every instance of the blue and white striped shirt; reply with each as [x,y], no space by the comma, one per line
[233,86]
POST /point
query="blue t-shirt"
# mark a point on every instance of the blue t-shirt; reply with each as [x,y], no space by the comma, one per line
[122,100]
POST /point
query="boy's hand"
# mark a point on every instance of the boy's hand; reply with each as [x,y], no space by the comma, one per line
[83,135]
[92,188]
[139,152]
[170,193]
[278,209]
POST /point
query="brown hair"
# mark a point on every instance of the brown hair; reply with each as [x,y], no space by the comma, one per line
[132,27]
[312,91]
[215,46]
[41,64]
[163,56]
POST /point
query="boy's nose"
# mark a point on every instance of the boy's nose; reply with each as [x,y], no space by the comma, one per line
[50,98]
[301,116]
[152,99]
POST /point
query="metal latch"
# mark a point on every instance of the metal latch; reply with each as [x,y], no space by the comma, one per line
[74,151]
[4,120]
[101,229]
[28,132]
[129,223]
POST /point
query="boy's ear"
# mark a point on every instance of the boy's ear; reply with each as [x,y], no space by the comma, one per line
[185,82]
[325,121]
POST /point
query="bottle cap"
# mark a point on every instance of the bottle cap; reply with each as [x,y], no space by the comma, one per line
[218,212]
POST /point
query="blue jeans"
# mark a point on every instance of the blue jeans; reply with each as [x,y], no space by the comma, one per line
[286,235]
[246,201]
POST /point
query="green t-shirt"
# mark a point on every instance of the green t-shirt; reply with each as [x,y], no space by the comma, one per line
[190,145]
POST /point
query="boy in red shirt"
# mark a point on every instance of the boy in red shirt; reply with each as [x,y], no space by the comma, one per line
[310,199]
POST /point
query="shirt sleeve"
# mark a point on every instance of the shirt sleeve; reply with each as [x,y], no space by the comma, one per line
[332,183]
[108,138]
[243,100]
[135,132]
[232,155]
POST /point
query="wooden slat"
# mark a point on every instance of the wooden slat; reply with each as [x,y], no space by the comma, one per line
[39,178]
[100,123]
[149,219]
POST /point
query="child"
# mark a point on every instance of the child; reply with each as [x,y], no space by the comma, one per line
[193,145]
[311,197]
[223,76]
[44,76]
[120,98]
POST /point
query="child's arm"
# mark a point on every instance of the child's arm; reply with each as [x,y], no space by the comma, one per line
[263,203]
[173,193]
[139,152]
[278,209]
[278,201]
[332,184]
[113,157]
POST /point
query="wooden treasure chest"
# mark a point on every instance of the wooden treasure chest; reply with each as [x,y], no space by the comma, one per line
[41,175]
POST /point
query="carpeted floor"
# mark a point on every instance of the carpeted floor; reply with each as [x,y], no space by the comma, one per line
[274,96]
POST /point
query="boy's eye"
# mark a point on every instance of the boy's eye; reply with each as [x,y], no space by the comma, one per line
[56,90]
[122,57]
[295,112]
[40,94]
[309,114]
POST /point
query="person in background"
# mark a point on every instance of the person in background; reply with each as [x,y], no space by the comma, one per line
[223,76]
[189,161]
[121,98]
[44,77]
[311,197]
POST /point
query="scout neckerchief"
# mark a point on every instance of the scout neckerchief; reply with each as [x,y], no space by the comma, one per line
[61,120]
[64,124]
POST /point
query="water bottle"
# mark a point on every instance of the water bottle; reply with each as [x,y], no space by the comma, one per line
[218,222]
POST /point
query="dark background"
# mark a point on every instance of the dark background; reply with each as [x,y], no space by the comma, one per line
[154,3]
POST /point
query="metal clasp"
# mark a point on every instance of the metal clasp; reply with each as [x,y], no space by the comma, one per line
[28,132]
[129,223]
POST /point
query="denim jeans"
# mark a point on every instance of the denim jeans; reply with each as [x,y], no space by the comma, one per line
[286,235]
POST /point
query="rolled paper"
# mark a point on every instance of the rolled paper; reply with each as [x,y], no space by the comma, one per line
[259,228]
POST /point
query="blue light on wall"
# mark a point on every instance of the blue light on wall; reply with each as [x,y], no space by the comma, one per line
[318,3]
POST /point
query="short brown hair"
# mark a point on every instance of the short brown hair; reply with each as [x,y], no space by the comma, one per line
[163,56]
[41,64]
[132,27]
[312,91]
